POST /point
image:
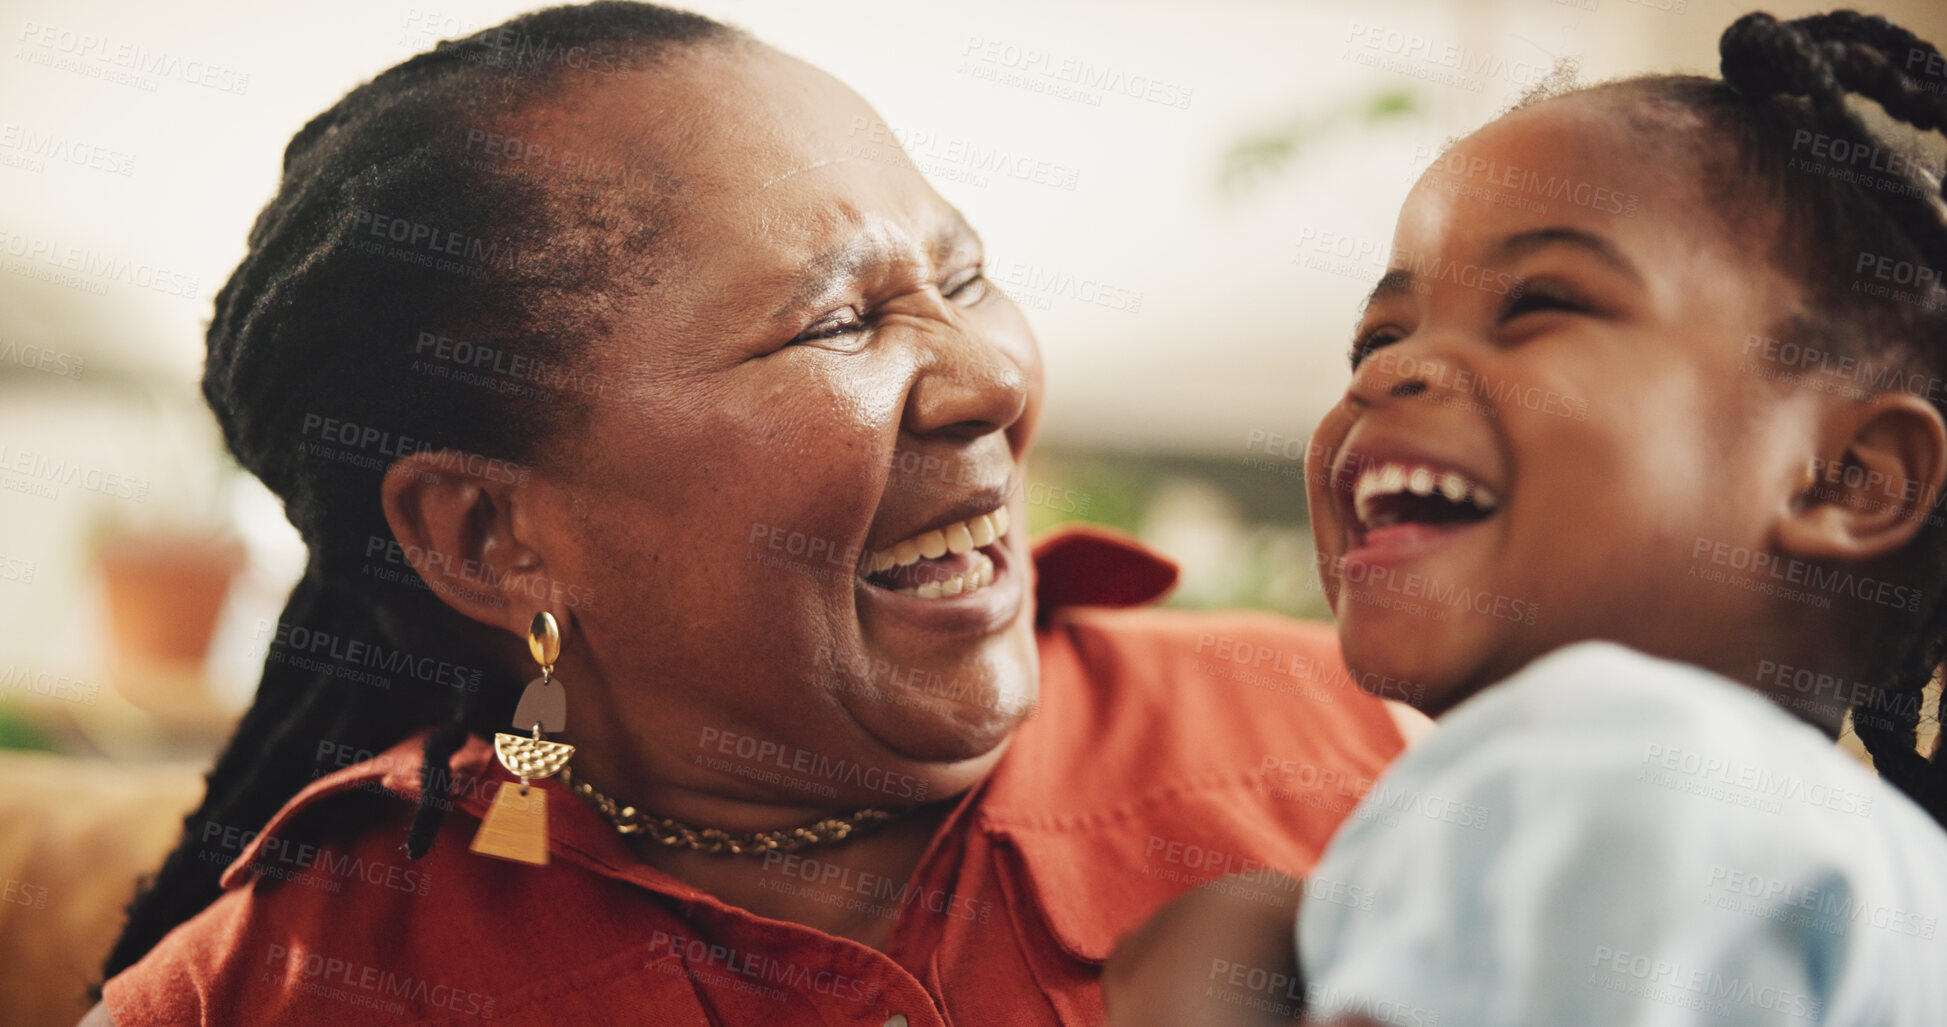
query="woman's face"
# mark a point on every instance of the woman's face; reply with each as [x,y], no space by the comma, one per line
[806,372]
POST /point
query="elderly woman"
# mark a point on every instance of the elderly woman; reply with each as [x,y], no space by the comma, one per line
[613,315]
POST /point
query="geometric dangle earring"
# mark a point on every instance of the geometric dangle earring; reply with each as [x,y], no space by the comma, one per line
[516,827]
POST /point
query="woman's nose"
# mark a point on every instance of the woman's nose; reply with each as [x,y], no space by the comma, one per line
[966,385]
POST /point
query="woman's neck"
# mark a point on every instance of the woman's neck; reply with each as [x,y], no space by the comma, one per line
[849,890]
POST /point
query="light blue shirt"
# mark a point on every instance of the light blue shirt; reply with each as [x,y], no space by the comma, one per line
[1607,838]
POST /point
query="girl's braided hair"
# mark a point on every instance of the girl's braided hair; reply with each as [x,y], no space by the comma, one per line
[410,228]
[1788,161]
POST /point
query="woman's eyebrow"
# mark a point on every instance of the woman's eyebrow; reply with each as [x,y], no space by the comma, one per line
[830,270]
[1524,243]
[954,238]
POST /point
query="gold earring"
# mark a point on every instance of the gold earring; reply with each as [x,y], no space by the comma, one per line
[516,827]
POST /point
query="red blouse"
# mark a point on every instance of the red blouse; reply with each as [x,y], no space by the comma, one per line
[1169,748]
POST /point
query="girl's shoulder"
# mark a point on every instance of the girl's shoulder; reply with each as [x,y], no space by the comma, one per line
[1634,828]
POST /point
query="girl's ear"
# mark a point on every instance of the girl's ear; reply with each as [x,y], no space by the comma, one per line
[1873,484]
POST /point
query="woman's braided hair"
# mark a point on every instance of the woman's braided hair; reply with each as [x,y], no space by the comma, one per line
[1776,139]
[409,235]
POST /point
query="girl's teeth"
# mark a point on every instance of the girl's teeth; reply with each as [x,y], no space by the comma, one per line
[1392,479]
[959,539]
[905,554]
[932,545]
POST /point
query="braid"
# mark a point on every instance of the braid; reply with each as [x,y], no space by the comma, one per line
[1782,84]
[312,324]
[1824,59]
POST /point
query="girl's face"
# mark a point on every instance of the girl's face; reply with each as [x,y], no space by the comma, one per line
[1555,429]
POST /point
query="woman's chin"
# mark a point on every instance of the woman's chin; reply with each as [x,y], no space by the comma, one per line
[949,718]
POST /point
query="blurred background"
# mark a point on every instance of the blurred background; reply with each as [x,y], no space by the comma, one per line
[1187,199]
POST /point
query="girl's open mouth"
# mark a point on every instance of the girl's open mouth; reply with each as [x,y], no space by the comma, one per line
[1397,505]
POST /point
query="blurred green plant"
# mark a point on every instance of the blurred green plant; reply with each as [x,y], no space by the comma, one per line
[1264,155]
[16,732]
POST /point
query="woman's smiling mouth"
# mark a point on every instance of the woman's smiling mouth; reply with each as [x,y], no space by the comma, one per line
[943,562]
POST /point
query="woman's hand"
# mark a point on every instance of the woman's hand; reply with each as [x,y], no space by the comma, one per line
[1223,954]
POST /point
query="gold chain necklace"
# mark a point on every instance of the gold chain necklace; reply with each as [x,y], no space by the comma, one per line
[675,834]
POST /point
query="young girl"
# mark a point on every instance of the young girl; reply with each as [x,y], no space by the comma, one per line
[1638,476]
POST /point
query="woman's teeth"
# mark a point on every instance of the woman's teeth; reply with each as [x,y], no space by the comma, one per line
[980,575]
[963,537]
[967,537]
[1386,480]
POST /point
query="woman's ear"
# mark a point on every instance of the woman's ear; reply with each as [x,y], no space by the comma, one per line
[1873,484]
[462,524]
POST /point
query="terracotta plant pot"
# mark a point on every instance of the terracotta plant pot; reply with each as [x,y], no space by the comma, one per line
[164,595]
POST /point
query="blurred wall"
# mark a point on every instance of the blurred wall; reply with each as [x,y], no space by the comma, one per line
[1193,315]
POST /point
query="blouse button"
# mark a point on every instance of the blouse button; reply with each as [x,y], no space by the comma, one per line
[896,1020]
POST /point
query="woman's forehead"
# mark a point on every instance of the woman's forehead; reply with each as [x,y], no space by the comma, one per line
[722,120]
